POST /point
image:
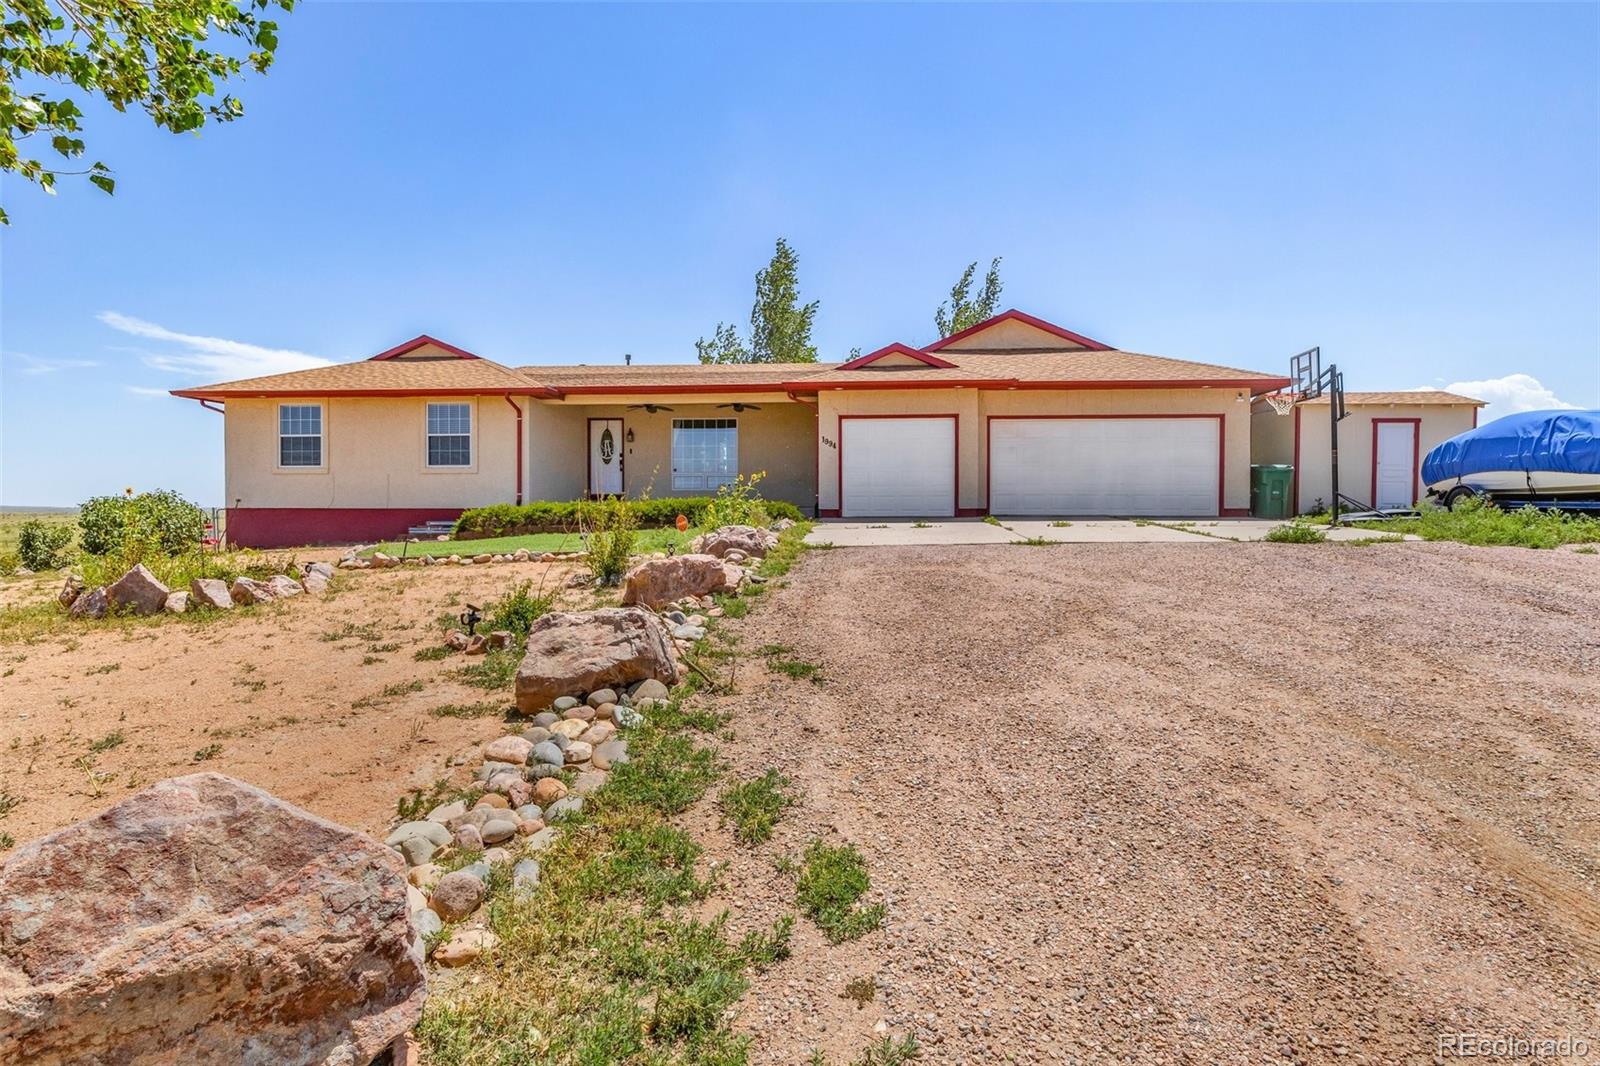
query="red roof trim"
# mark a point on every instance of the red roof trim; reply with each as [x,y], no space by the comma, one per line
[335,394]
[417,342]
[897,349]
[1014,315]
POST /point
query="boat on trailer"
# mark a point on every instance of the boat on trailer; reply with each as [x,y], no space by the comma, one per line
[1542,458]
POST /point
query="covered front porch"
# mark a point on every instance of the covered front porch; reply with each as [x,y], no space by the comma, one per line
[660,446]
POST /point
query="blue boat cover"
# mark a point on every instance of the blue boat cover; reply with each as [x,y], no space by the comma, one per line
[1557,441]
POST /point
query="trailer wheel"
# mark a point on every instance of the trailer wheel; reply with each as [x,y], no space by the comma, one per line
[1458,496]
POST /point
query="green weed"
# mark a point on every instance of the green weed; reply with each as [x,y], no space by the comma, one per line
[1295,534]
[833,878]
[755,806]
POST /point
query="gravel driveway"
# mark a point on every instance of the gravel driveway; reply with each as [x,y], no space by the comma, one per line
[1148,803]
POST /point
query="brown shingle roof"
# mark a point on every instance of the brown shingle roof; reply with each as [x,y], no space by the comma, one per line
[643,377]
[1408,397]
[1052,367]
[431,376]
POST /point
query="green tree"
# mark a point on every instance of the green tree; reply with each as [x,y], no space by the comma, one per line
[780,325]
[723,347]
[147,54]
[964,311]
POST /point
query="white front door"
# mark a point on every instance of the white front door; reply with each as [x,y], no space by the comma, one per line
[902,467]
[1104,466]
[605,456]
[1395,466]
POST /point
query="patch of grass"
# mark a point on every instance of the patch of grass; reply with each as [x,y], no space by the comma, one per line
[1587,549]
[1060,525]
[755,806]
[207,753]
[1474,522]
[516,611]
[890,1052]
[1366,542]
[833,878]
[367,631]
[733,606]
[486,709]
[781,661]
[389,692]
[1295,534]
[665,772]
[922,525]
[431,654]
[1036,542]
[8,803]
[108,668]
[649,540]
[791,544]
[383,649]
[991,520]
[107,742]
[420,801]
[494,671]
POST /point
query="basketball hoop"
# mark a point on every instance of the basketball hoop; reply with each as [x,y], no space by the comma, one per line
[1282,402]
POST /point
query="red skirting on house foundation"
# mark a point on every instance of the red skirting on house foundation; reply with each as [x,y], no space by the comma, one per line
[293,527]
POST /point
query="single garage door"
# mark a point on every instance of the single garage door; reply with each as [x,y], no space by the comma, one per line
[897,466]
[1104,466]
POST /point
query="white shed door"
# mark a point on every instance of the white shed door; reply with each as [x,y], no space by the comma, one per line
[1104,466]
[897,467]
[1396,466]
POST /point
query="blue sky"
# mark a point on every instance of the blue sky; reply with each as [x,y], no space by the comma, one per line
[1416,189]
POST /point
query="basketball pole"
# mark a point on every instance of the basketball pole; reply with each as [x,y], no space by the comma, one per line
[1333,440]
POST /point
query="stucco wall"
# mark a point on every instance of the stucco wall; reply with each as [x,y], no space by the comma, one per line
[374,455]
[779,440]
[1314,475]
[1271,435]
[973,407]
[1010,334]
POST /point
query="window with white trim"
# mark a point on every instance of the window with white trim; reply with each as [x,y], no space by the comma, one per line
[449,434]
[705,453]
[299,434]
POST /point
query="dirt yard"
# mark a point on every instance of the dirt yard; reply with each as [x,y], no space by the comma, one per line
[1146,803]
[1156,803]
[290,696]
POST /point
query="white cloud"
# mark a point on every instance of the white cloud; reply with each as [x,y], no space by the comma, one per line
[31,364]
[1509,395]
[145,390]
[210,358]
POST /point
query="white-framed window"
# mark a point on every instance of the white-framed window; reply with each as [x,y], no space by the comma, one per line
[705,453]
[449,434]
[300,434]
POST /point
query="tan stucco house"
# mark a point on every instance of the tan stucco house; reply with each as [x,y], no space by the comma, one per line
[1014,416]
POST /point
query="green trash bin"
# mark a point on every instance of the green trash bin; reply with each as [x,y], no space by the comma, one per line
[1269,490]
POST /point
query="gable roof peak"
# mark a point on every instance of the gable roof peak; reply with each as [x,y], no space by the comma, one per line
[1014,315]
[921,355]
[422,340]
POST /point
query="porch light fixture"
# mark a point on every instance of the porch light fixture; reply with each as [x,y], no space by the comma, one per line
[630,436]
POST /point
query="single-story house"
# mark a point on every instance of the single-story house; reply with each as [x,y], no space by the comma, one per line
[1381,444]
[1014,416]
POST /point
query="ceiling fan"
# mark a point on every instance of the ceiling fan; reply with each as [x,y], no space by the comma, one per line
[740,406]
[650,407]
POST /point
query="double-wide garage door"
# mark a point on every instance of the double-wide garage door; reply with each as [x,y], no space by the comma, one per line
[1104,466]
[902,467]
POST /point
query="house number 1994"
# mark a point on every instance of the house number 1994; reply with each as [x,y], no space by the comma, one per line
[826,443]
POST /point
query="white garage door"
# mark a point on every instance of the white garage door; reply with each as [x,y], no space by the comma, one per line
[897,466]
[1103,466]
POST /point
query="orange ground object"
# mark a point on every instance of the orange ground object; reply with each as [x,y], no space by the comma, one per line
[683,524]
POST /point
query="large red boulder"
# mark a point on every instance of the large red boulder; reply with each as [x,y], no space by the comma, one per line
[573,654]
[203,920]
[657,582]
